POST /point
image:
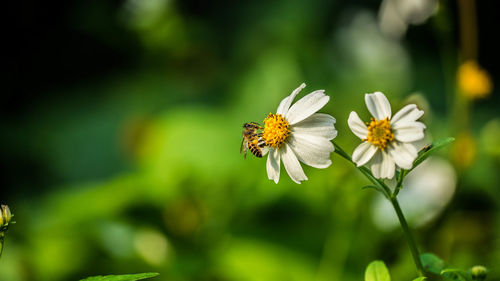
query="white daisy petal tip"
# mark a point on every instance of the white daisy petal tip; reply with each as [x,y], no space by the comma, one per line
[307,106]
[292,164]
[273,165]
[298,89]
[284,105]
[409,113]
[357,126]
[378,105]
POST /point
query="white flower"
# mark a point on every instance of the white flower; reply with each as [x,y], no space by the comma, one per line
[297,133]
[396,15]
[386,142]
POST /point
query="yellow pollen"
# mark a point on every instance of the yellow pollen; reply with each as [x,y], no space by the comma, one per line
[276,130]
[379,132]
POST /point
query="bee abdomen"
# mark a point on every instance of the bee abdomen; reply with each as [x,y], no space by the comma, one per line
[261,143]
[255,150]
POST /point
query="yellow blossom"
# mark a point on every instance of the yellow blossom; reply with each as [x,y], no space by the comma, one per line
[474,82]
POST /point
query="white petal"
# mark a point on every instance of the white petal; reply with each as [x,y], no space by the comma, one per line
[408,113]
[388,166]
[306,106]
[286,102]
[363,153]
[265,150]
[408,131]
[292,165]
[316,141]
[382,166]
[378,105]
[403,154]
[357,126]
[273,165]
[375,164]
[311,150]
[318,124]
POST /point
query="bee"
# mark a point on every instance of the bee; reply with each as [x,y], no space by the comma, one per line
[252,139]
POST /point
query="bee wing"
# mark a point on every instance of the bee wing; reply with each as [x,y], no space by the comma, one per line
[243,147]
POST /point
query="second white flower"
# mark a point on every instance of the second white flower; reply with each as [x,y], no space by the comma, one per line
[387,142]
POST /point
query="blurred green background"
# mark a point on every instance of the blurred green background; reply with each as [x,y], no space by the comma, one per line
[121,125]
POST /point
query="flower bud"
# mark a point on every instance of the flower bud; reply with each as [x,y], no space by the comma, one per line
[478,272]
[5,215]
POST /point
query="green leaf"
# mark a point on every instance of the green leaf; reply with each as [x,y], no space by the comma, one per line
[377,188]
[421,278]
[377,271]
[126,277]
[432,263]
[455,274]
[425,152]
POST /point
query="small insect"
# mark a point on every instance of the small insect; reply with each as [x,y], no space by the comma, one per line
[252,139]
[426,148]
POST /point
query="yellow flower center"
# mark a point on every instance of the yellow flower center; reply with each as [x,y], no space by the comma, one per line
[276,130]
[379,132]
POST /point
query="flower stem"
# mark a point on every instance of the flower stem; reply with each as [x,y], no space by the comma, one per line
[409,237]
[392,197]
[2,235]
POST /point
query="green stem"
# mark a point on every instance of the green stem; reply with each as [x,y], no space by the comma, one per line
[2,235]
[399,185]
[392,197]
[409,237]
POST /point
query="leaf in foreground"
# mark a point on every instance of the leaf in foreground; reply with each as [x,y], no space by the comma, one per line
[377,271]
[432,263]
[126,277]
